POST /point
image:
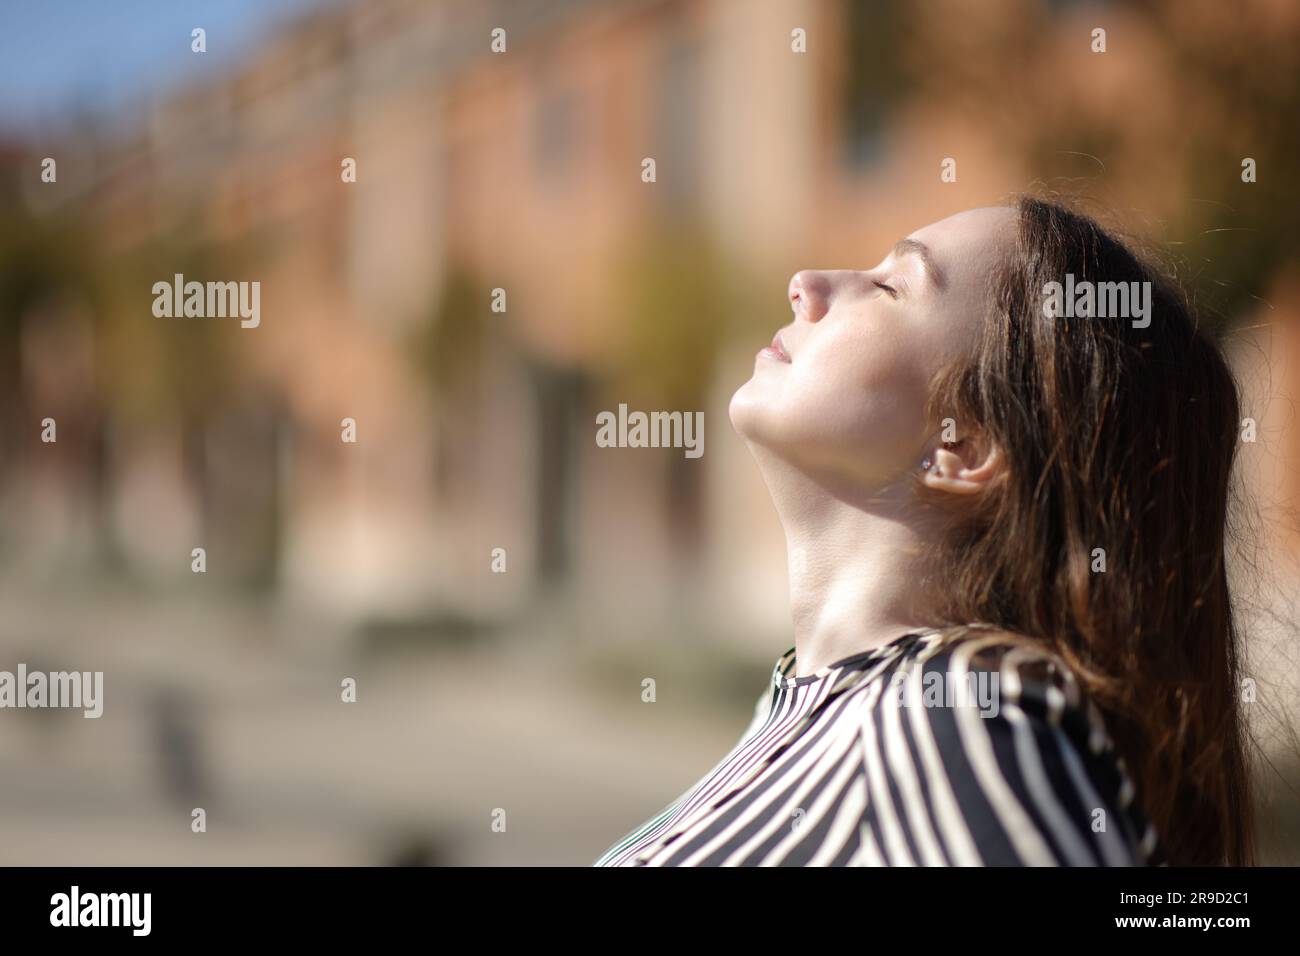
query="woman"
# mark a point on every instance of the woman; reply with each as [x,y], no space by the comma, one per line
[1005,522]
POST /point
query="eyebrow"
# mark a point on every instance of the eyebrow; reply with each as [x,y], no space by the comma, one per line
[922,251]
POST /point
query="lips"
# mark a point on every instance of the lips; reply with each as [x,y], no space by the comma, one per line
[777,349]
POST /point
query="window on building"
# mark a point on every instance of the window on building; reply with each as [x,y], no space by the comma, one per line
[873,77]
[556,128]
[677,144]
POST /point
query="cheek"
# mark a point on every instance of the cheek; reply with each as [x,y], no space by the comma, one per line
[866,400]
[842,396]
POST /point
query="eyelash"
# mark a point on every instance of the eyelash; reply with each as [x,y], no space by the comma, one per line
[893,293]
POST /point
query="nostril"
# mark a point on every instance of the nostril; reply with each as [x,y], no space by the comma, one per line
[795,289]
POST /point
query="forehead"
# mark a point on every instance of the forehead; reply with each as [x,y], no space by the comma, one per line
[967,245]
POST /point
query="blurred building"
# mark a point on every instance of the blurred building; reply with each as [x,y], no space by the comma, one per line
[783,135]
[520,171]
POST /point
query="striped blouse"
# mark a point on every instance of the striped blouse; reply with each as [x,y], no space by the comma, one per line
[924,751]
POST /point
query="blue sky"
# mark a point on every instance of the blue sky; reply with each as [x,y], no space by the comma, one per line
[58,57]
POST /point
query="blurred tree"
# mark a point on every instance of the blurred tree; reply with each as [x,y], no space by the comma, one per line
[447,348]
[161,370]
[190,374]
[1204,85]
[678,298]
[1237,72]
[45,268]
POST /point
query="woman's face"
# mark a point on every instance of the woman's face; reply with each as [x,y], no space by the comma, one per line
[842,391]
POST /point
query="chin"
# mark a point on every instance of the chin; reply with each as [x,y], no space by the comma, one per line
[757,419]
[746,411]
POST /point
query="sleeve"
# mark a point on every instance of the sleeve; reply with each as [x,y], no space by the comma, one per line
[982,754]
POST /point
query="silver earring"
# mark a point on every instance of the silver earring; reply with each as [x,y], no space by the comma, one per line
[925,464]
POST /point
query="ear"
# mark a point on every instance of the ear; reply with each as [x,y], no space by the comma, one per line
[967,466]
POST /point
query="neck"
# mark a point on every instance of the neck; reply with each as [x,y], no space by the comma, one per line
[857,569]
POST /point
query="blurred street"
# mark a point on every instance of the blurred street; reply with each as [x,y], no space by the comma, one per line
[411,772]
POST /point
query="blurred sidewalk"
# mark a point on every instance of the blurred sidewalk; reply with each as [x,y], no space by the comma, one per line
[221,708]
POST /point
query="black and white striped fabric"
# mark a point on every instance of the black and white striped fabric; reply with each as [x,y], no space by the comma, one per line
[923,752]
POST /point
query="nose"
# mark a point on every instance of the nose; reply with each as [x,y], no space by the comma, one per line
[810,294]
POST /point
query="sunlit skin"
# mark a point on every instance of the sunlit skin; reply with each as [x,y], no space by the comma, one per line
[835,416]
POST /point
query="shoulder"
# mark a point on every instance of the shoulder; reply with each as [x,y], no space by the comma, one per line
[986,750]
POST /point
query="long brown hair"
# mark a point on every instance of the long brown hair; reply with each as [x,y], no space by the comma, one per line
[1119,438]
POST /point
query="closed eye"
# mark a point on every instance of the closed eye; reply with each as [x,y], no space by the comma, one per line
[893,293]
